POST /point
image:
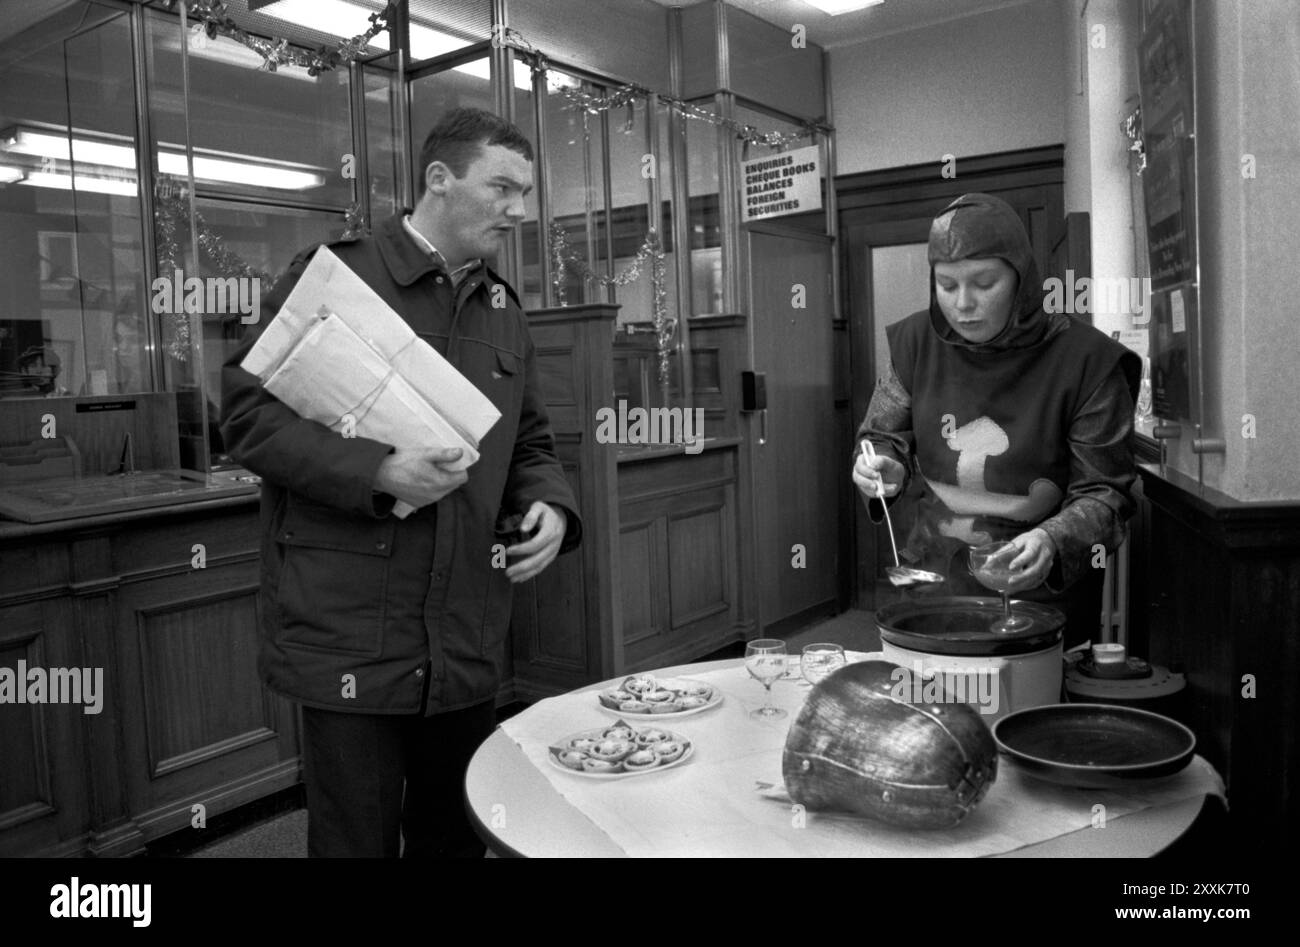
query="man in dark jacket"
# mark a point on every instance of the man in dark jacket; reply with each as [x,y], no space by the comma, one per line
[392,632]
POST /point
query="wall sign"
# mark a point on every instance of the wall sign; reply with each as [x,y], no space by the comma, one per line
[781,184]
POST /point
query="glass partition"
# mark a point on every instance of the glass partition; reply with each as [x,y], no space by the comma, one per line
[274,169]
[277,136]
[530,284]
[704,220]
[99,200]
[380,99]
[72,319]
[575,168]
[465,85]
[230,175]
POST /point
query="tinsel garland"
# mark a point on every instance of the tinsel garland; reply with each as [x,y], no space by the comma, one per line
[171,212]
[1132,128]
[562,259]
[628,95]
[215,20]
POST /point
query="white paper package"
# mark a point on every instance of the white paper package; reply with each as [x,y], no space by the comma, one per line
[336,349]
[381,403]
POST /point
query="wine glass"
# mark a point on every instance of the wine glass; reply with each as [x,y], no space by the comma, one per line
[819,660]
[991,566]
[765,661]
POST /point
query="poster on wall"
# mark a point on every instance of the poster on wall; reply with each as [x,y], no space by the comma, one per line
[1170,348]
[1169,200]
[1169,181]
[781,184]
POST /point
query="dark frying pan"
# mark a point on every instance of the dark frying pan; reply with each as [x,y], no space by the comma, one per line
[1094,746]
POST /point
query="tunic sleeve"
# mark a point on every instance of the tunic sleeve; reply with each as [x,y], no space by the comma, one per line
[1102,473]
[888,425]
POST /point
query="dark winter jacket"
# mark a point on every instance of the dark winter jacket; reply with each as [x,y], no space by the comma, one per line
[362,611]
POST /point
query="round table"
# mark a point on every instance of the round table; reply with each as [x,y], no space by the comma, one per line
[502,780]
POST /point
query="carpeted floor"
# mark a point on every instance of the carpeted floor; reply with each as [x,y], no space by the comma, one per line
[285,836]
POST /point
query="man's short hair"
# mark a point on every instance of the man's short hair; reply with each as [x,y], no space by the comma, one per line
[460,136]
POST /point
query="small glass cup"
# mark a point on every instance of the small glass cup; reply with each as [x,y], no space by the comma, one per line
[765,660]
[820,660]
[989,564]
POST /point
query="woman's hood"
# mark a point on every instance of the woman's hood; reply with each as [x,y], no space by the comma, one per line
[978,226]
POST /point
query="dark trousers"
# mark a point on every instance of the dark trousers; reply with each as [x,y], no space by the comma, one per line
[376,780]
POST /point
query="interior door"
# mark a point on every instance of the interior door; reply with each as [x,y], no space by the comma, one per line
[796,469]
[889,279]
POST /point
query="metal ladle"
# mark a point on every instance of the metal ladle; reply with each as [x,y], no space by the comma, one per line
[899,575]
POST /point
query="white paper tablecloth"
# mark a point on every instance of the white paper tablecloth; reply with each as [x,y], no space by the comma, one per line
[711,805]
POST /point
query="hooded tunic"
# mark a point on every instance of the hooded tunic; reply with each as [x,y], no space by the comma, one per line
[1029,429]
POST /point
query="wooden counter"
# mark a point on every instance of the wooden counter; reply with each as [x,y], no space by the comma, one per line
[164,601]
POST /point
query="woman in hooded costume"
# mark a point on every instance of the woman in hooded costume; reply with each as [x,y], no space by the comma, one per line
[1003,421]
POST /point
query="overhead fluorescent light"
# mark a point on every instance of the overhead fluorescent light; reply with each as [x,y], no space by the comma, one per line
[225,50]
[836,7]
[336,17]
[43,144]
[10,175]
[84,182]
[208,165]
[482,69]
[345,20]
[558,80]
[239,172]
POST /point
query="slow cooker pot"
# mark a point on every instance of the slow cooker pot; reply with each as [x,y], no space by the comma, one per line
[997,672]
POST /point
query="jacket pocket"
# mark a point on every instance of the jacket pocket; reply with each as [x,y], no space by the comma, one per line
[333,586]
[502,372]
[507,362]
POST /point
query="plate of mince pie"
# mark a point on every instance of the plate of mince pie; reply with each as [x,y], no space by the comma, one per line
[620,750]
[644,695]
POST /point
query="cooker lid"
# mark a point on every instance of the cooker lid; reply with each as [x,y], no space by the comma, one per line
[961,625]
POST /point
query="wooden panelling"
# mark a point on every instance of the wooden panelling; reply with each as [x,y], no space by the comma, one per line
[678,537]
[32,570]
[719,353]
[170,547]
[24,746]
[698,563]
[184,718]
[187,647]
[562,622]
[1215,594]
[642,554]
[668,476]
[555,372]
[201,694]
[43,797]
[556,610]
[656,579]
[706,365]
